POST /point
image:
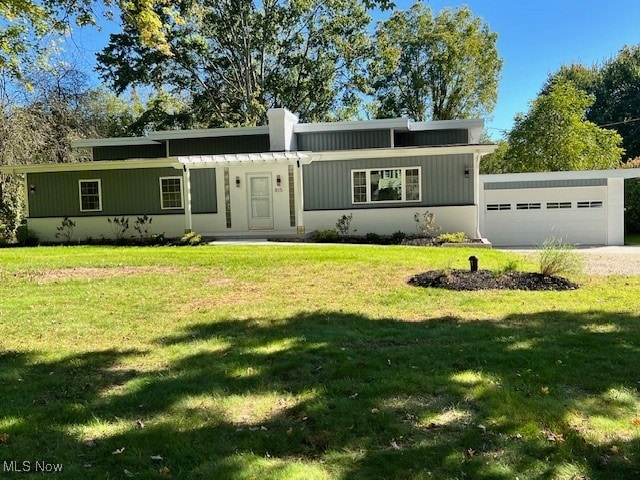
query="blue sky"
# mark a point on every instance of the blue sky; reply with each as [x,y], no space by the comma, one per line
[535,38]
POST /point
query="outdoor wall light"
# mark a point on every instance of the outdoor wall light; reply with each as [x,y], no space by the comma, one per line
[32,189]
[238,182]
[466,172]
[278,180]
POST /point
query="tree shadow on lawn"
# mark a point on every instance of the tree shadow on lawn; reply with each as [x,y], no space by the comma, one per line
[347,396]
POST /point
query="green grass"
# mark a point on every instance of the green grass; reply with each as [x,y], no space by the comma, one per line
[309,362]
[632,239]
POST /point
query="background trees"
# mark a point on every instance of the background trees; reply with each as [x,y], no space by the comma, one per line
[233,60]
[438,67]
[554,135]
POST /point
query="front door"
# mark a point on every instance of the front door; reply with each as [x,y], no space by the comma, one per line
[260,202]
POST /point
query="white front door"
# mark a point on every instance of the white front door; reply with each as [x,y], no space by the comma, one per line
[260,201]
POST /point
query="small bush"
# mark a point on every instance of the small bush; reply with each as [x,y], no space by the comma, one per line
[512,265]
[426,224]
[191,238]
[398,237]
[374,238]
[343,225]
[26,237]
[119,226]
[65,230]
[325,236]
[142,225]
[457,237]
[558,257]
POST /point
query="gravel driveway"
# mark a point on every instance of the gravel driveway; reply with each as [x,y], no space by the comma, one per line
[607,260]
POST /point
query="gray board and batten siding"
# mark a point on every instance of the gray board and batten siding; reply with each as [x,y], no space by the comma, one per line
[219,145]
[363,139]
[431,138]
[124,192]
[518,185]
[347,140]
[327,184]
[124,152]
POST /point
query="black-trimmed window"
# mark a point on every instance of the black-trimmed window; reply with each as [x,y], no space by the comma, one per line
[90,192]
[170,193]
[386,185]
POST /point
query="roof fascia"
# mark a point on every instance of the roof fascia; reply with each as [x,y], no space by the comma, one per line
[112,142]
[91,166]
[386,124]
[564,175]
[481,149]
[208,133]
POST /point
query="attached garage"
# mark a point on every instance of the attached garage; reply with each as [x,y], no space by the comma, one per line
[581,208]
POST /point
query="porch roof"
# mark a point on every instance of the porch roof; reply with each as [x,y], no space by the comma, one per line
[209,161]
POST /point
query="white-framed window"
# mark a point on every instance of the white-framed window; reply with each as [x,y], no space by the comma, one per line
[170,193]
[391,185]
[90,194]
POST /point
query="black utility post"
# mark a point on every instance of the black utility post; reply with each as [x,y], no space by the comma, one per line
[473,261]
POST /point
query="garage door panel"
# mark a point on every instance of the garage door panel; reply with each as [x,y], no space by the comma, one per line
[540,216]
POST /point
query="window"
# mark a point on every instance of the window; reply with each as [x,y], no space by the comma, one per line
[589,204]
[556,205]
[170,192]
[90,195]
[492,207]
[527,206]
[386,185]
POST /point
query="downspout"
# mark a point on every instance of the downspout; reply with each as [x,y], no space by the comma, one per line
[300,195]
[186,180]
[478,196]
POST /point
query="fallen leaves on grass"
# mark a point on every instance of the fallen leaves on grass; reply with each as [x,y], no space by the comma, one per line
[4,438]
[636,422]
[553,437]
[117,451]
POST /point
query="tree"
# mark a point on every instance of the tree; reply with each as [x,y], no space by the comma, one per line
[617,104]
[555,136]
[23,24]
[233,60]
[434,68]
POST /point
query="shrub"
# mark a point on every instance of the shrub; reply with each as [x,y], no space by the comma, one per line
[558,257]
[372,237]
[191,238]
[343,225]
[65,230]
[26,237]
[457,237]
[425,224]
[142,225]
[398,237]
[512,265]
[325,236]
[119,226]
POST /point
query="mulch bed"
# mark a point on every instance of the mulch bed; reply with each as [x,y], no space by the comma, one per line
[487,280]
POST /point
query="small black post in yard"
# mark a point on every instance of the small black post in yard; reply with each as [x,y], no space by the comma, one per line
[473,261]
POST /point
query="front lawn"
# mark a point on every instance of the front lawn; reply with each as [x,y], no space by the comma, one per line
[309,362]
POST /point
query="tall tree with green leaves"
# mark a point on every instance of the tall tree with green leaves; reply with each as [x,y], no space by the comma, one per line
[555,136]
[233,60]
[617,104]
[25,23]
[440,67]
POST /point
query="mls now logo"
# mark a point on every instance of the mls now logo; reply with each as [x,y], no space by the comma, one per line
[29,466]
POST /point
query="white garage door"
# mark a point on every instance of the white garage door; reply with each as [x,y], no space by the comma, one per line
[529,216]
